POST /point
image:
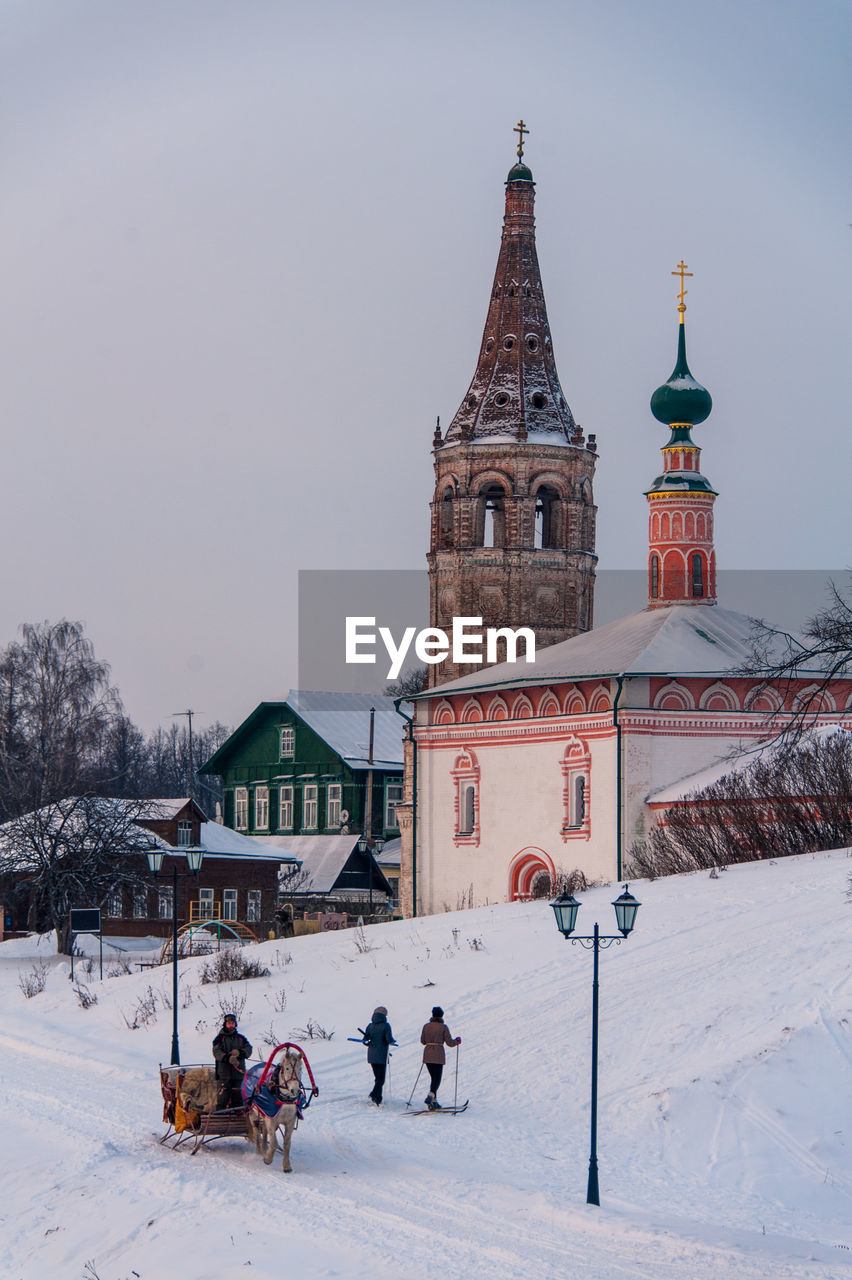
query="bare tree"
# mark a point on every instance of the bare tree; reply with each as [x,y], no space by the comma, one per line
[794,798]
[823,652]
[57,709]
[75,852]
[409,683]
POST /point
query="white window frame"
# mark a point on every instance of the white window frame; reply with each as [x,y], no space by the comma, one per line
[229,904]
[333,803]
[261,808]
[286,742]
[310,806]
[576,791]
[394,784]
[115,905]
[285,808]
[206,904]
[184,833]
[253,906]
[140,904]
[165,893]
[241,808]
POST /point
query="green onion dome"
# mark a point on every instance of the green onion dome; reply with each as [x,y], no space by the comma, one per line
[519,173]
[681,399]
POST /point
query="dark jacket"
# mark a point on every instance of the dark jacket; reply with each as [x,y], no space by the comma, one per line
[378,1037]
[435,1035]
[223,1046]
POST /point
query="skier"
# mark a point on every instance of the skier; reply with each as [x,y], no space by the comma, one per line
[230,1049]
[378,1037]
[434,1036]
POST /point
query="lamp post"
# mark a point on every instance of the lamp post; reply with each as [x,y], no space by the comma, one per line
[194,856]
[364,844]
[565,909]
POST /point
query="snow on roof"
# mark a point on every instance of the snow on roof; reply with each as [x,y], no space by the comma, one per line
[701,640]
[322,858]
[342,720]
[221,842]
[739,762]
[391,854]
[166,808]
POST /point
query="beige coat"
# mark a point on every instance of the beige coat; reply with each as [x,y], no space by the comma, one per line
[435,1035]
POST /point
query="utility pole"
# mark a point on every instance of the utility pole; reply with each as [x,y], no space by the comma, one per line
[189,714]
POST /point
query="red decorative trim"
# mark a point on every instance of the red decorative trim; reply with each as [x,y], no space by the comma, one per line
[524,868]
[576,764]
[466,774]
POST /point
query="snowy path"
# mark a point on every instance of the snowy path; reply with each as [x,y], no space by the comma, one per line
[726,1067]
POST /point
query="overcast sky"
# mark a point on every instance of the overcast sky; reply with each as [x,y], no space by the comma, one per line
[247,248]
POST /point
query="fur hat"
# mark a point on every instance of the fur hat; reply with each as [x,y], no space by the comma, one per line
[437,1012]
[380,1009]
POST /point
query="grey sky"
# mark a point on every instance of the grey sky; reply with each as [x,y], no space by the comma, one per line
[246,254]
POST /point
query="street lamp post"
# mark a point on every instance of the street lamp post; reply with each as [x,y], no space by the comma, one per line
[194,856]
[363,846]
[565,909]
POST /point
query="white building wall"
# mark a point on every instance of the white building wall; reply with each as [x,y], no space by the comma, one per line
[521,806]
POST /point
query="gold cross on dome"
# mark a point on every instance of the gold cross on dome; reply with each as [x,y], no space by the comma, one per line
[520,129]
[680,270]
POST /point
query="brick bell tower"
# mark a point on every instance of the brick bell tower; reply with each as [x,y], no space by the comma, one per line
[513,514]
[681,558]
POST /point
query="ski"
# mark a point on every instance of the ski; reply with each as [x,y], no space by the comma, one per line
[447,1111]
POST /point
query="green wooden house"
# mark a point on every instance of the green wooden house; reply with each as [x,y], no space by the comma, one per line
[314,764]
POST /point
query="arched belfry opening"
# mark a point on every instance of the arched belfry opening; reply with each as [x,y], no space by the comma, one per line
[491,517]
[514,423]
[547,528]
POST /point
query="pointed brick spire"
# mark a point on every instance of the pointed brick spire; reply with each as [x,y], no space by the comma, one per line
[515,392]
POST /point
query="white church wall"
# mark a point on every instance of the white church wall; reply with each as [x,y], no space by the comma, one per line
[521,813]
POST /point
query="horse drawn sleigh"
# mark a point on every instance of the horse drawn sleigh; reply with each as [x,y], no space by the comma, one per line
[274,1098]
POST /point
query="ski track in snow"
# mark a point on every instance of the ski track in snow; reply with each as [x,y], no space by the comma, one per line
[726,1069]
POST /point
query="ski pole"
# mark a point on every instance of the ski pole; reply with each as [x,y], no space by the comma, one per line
[414,1090]
[456,1094]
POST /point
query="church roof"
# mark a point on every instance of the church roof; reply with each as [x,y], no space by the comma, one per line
[688,640]
[515,394]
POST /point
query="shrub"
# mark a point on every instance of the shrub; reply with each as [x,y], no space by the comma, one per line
[230,965]
[34,982]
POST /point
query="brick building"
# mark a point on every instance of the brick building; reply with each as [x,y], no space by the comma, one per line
[516,773]
[513,515]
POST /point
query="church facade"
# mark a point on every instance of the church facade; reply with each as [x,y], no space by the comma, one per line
[519,772]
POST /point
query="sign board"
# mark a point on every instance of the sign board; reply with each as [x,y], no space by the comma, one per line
[86,920]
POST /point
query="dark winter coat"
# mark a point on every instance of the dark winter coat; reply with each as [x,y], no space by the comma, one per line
[223,1046]
[378,1037]
[435,1035]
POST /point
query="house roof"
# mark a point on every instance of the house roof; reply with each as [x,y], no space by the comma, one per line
[740,762]
[342,720]
[323,859]
[221,842]
[697,640]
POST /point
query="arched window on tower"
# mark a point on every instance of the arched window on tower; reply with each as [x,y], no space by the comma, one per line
[447,539]
[697,576]
[492,517]
[548,511]
[655,577]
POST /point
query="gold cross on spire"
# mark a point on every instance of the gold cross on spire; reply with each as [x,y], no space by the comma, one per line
[520,129]
[680,270]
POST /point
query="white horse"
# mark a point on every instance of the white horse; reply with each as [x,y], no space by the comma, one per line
[284,1083]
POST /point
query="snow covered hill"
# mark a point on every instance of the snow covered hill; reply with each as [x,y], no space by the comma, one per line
[724,1114]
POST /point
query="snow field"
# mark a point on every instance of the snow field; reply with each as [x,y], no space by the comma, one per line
[724,1114]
